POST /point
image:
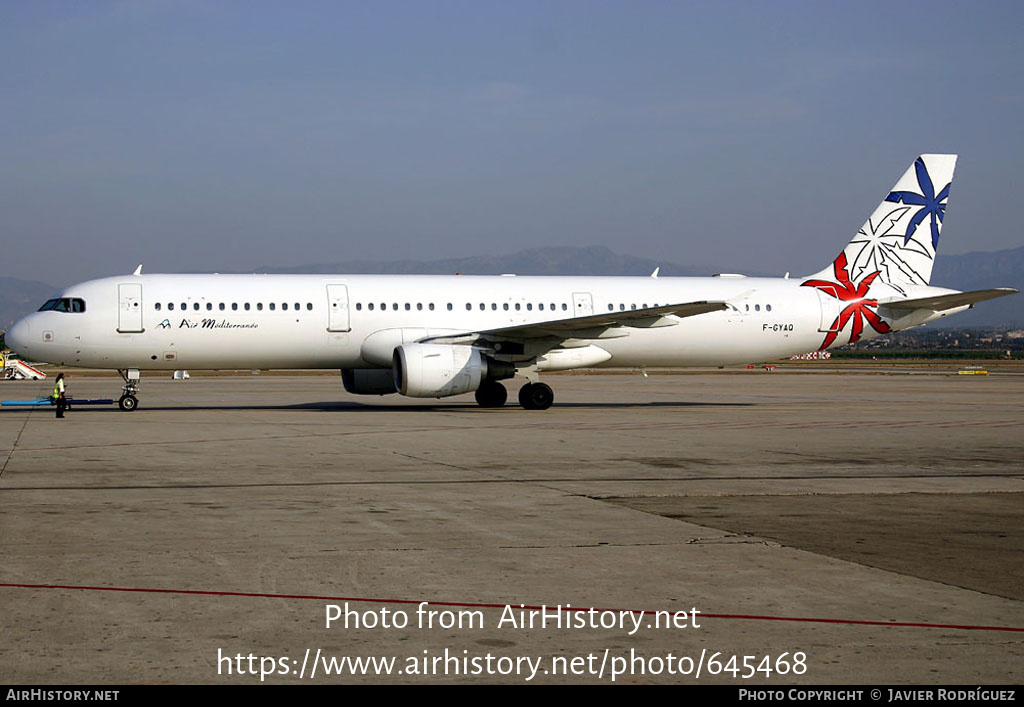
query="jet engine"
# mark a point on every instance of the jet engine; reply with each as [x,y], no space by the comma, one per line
[439,370]
[368,381]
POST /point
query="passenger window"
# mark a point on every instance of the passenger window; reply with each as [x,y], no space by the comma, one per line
[419,306]
[184,306]
[259,306]
[157,306]
[284,306]
[221,306]
[170,306]
[359,306]
[297,307]
[529,307]
[370,306]
[407,306]
[449,306]
[768,307]
[505,306]
[394,306]
[309,306]
[195,306]
[272,306]
[540,306]
[611,307]
[552,306]
[209,306]
[757,308]
[564,306]
[468,306]
[431,306]
[246,306]
[234,306]
[494,306]
[482,306]
[518,306]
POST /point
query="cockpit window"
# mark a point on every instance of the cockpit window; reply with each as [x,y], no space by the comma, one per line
[64,304]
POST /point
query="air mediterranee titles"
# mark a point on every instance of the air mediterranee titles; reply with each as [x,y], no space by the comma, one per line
[208,324]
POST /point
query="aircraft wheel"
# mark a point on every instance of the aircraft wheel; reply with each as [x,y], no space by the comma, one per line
[128,403]
[536,396]
[491,394]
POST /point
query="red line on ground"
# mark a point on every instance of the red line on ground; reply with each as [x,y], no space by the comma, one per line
[476,605]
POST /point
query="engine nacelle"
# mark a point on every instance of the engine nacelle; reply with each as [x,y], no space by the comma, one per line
[368,381]
[439,370]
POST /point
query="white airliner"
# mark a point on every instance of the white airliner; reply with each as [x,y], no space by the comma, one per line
[438,336]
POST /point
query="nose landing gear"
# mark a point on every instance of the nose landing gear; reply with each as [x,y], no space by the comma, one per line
[129,401]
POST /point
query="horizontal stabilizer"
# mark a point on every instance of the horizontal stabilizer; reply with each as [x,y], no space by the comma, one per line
[943,302]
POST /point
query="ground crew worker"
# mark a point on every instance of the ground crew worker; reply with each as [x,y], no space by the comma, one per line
[59,390]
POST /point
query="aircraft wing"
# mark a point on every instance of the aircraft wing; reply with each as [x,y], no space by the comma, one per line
[592,325]
[944,302]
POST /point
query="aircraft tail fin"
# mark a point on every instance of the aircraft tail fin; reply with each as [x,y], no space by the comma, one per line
[897,244]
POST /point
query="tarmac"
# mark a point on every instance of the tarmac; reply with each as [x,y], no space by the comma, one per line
[861,528]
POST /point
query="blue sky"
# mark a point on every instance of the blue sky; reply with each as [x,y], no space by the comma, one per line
[231,135]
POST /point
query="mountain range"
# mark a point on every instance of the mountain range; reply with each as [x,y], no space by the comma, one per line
[970,271]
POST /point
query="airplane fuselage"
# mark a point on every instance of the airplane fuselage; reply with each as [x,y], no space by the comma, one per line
[318,321]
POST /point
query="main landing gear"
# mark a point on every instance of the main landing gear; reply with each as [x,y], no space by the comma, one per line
[536,396]
[491,394]
[129,401]
[532,396]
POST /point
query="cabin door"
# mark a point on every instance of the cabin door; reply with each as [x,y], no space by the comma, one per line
[129,308]
[582,304]
[829,309]
[337,308]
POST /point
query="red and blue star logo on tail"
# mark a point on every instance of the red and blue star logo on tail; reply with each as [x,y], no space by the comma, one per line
[859,308]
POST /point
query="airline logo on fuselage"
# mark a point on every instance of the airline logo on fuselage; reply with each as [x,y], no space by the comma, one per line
[211,324]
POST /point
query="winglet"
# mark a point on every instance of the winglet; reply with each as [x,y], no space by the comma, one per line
[656,270]
[138,270]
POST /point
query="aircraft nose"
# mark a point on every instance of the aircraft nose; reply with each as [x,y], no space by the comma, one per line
[17,337]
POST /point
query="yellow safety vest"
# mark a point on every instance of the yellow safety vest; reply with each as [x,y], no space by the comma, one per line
[58,388]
